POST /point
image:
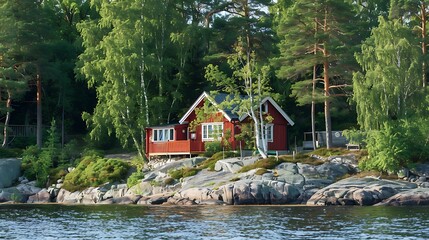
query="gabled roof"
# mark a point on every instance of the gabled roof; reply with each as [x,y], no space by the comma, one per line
[277,107]
[215,101]
[220,97]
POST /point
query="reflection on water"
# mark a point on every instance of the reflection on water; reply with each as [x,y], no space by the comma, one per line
[212,222]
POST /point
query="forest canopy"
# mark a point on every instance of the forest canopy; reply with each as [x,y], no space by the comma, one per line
[109,69]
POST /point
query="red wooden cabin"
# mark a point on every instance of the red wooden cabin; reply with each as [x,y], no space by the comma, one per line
[180,139]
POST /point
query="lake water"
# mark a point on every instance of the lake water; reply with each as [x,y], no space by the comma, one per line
[211,222]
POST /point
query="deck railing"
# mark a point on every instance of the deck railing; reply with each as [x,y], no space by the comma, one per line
[22,130]
[175,147]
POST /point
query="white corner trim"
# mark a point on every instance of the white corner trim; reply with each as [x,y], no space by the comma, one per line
[197,102]
[276,106]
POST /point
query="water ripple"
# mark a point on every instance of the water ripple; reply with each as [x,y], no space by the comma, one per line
[212,222]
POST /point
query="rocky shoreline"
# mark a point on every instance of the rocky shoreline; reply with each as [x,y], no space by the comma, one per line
[331,183]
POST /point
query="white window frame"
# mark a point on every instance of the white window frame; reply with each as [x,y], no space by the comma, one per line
[162,134]
[207,127]
[269,132]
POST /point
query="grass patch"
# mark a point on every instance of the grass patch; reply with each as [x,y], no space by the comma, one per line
[134,178]
[268,163]
[169,181]
[301,158]
[329,152]
[261,171]
[235,179]
[183,172]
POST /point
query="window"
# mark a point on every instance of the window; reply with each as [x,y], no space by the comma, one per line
[269,132]
[163,135]
[210,131]
[264,107]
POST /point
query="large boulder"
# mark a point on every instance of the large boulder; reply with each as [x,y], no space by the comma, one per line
[418,196]
[155,199]
[259,192]
[10,170]
[116,191]
[43,196]
[12,194]
[28,188]
[327,170]
[198,194]
[359,191]
[188,162]
[421,170]
[67,197]
[234,165]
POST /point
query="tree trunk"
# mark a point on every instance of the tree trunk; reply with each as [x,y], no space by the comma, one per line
[39,110]
[327,86]
[313,103]
[423,26]
[313,110]
[327,105]
[144,106]
[6,122]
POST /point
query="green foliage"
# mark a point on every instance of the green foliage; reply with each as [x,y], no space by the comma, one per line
[10,152]
[94,171]
[355,136]
[134,178]
[70,152]
[247,136]
[138,163]
[30,158]
[389,87]
[183,172]
[36,163]
[87,152]
[56,173]
[51,150]
[212,148]
[395,145]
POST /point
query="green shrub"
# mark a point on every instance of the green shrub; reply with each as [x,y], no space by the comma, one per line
[30,158]
[10,152]
[56,173]
[94,171]
[261,171]
[70,152]
[268,163]
[212,148]
[183,172]
[169,181]
[137,163]
[355,136]
[92,152]
[134,178]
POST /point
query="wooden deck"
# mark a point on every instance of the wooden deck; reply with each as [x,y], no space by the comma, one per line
[180,147]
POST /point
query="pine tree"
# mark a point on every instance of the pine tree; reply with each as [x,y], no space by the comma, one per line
[318,39]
